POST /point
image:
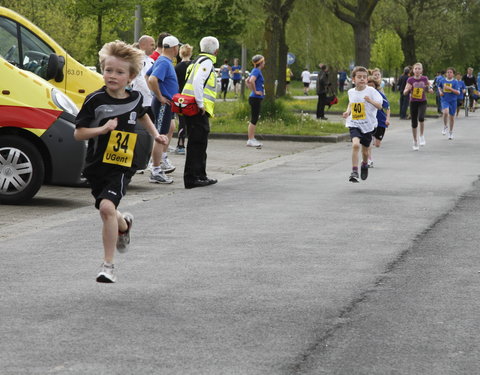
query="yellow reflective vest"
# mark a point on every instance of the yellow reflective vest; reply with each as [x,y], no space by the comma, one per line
[209,89]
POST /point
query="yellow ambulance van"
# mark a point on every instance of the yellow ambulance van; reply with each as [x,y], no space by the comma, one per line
[36,136]
[28,47]
[41,88]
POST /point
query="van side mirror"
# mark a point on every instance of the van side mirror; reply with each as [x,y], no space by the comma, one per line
[55,68]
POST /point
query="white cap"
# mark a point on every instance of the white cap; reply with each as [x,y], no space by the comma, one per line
[170,41]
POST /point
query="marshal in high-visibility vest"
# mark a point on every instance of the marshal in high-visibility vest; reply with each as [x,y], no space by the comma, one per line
[209,88]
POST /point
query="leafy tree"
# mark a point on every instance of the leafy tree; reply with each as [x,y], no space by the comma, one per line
[358,14]
[386,51]
[314,36]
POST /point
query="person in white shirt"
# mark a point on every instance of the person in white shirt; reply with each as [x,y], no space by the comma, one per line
[306,81]
[147,44]
[361,115]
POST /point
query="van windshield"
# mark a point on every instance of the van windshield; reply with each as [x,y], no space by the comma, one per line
[22,48]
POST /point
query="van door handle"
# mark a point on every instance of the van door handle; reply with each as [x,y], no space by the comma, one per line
[5,92]
[81,91]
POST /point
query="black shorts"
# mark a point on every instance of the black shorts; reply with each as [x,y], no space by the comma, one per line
[306,84]
[365,138]
[255,104]
[163,116]
[236,81]
[109,184]
[459,103]
[379,132]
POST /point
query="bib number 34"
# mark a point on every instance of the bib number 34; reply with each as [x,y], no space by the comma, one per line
[120,148]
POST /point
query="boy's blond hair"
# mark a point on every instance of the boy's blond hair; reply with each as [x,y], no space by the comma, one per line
[124,51]
[185,50]
[359,69]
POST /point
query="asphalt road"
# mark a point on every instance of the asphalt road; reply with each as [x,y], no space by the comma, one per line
[283,267]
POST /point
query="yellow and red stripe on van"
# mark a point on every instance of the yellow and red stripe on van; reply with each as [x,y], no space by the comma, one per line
[36,120]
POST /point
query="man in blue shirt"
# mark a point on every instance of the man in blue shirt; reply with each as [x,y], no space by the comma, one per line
[163,82]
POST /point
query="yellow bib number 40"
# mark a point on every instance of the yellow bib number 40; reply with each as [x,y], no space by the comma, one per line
[120,148]
[358,111]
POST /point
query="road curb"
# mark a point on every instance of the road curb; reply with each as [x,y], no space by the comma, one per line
[284,137]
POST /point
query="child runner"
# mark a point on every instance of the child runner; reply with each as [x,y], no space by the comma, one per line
[462,88]
[361,115]
[107,119]
[236,76]
[383,119]
[449,92]
[416,86]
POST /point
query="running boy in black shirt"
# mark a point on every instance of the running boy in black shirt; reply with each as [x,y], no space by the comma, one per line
[107,119]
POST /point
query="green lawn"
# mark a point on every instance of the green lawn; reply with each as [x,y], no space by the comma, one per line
[232,117]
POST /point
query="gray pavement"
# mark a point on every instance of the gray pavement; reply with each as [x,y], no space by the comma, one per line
[283,267]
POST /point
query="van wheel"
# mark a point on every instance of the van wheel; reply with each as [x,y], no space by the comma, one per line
[22,170]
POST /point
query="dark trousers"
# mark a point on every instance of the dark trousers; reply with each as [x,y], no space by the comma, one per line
[181,131]
[404,102]
[198,129]
[322,100]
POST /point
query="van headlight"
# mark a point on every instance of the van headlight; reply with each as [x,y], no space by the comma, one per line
[64,102]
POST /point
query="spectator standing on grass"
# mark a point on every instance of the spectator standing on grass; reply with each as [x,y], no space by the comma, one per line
[109,117]
[181,70]
[322,86]
[404,99]
[306,80]
[201,84]
[342,78]
[255,83]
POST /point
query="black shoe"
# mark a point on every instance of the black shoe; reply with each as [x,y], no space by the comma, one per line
[323,118]
[199,183]
[210,181]
[364,171]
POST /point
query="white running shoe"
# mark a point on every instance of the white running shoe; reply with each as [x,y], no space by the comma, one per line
[415,146]
[422,141]
[160,178]
[123,239]
[450,135]
[444,131]
[254,143]
[106,274]
[370,163]
[166,166]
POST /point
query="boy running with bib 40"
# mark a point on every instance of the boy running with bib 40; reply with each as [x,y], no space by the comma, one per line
[361,115]
[108,119]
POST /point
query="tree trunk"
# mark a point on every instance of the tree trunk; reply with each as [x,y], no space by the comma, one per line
[272,39]
[408,47]
[282,62]
[98,39]
[361,31]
